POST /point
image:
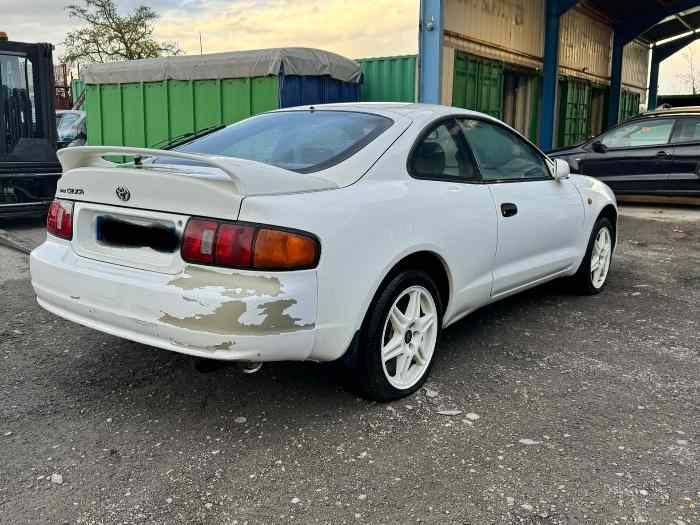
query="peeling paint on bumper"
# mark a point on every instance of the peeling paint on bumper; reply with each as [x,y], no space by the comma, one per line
[207,312]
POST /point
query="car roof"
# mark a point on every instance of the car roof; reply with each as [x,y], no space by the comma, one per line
[687,110]
[416,112]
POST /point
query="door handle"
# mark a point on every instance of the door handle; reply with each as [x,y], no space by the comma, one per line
[663,155]
[508,209]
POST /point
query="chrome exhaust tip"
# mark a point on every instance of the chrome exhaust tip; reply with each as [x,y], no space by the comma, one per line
[250,367]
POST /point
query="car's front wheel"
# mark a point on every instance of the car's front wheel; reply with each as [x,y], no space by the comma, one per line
[398,338]
[592,275]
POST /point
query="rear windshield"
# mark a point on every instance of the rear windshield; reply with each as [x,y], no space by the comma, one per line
[302,141]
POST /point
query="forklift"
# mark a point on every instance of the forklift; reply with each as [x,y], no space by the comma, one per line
[29,167]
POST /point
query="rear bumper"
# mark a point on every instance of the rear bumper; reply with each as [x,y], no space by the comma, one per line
[204,312]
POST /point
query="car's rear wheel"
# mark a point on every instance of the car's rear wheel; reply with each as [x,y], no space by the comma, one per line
[592,275]
[398,338]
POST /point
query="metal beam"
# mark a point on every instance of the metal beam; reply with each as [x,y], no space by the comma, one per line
[683,21]
[631,28]
[548,96]
[665,50]
[660,53]
[653,83]
[615,79]
[430,40]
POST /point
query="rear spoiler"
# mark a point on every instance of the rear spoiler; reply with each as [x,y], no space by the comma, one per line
[248,177]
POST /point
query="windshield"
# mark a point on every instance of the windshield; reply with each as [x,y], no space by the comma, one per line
[65,124]
[301,141]
[17,112]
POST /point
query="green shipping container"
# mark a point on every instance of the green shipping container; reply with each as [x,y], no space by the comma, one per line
[478,84]
[629,104]
[146,114]
[574,111]
[146,103]
[76,89]
[388,79]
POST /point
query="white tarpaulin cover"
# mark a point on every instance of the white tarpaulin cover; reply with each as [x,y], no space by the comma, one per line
[237,64]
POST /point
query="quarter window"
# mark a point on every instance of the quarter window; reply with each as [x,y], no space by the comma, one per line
[689,131]
[502,155]
[443,154]
[641,133]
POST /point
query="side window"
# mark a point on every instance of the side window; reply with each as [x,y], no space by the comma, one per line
[641,133]
[443,154]
[502,155]
[689,130]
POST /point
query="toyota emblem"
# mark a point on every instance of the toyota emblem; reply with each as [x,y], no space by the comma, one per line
[123,193]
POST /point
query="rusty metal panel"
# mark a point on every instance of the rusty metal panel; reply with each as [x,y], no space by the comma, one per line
[458,42]
[635,64]
[585,44]
[515,28]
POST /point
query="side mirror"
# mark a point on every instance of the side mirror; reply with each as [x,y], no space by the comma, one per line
[599,147]
[561,169]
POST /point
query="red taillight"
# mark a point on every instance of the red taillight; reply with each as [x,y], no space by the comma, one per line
[59,221]
[198,241]
[241,245]
[234,245]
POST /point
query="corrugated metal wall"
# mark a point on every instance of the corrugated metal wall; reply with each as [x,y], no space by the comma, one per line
[585,45]
[635,64]
[388,79]
[629,104]
[478,84]
[574,111]
[512,33]
[513,27]
[302,90]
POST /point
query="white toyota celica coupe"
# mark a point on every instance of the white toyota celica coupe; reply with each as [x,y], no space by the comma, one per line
[350,232]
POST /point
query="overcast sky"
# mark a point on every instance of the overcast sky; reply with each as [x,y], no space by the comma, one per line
[354,28]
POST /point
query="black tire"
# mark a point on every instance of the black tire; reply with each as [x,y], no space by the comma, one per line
[582,281]
[364,371]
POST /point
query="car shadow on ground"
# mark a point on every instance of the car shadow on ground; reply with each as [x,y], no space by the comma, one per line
[119,368]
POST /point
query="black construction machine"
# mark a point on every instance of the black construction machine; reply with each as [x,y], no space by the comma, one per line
[29,167]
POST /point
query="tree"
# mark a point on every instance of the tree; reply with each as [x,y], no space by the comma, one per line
[111,37]
[689,76]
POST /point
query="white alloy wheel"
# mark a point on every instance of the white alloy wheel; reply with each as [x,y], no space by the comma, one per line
[409,337]
[600,257]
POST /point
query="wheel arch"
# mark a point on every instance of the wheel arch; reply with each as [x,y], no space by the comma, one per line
[610,212]
[426,260]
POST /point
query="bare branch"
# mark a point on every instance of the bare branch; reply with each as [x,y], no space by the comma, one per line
[108,36]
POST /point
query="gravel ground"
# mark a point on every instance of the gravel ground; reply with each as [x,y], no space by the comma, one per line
[556,409]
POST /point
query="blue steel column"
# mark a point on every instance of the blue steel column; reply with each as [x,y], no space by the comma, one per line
[553,11]
[615,79]
[430,51]
[659,53]
[653,80]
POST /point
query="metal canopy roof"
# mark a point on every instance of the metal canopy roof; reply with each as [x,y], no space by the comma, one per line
[665,18]
[673,26]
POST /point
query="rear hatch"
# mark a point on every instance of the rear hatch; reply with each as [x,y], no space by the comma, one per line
[135,216]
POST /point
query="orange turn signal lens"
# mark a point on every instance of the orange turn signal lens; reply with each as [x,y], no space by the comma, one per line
[280,250]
